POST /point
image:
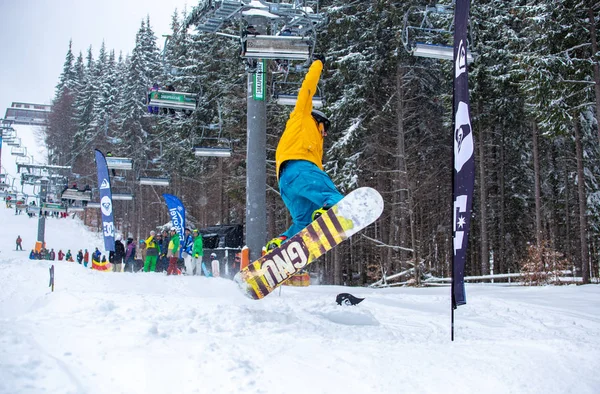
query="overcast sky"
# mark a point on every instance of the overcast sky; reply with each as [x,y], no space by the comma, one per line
[35,34]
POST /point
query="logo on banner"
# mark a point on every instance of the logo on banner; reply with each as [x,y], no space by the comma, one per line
[460,221]
[176,217]
[463,138]
[106,206]
[105,184]
[108,228]
[461,60]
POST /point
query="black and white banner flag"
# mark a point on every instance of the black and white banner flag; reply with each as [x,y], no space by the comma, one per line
[464,165]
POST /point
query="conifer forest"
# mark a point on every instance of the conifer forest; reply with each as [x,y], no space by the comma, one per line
[535,103]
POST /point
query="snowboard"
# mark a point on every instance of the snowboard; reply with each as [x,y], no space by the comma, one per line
[354,212]
[205,270]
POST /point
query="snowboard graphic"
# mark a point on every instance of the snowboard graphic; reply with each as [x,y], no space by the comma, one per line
[354,212]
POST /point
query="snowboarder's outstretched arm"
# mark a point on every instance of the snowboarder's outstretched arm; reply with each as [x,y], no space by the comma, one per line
[308,89]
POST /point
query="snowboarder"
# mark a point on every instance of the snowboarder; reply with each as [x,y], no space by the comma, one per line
[19,241]
[306,189]
[69,256]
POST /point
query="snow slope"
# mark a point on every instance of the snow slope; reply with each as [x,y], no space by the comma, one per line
[149,333]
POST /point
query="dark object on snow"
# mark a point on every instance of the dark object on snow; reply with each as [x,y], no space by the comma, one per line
[347,299]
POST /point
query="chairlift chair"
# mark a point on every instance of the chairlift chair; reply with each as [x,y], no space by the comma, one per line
[13,141]
[172,100]
[53,207]
[9,133]
[76,195]
[286,93]
[154,181]
[122,196]
[213,146]
[119,163]
[93,205]
[428,31]
[19,151]
[276,47]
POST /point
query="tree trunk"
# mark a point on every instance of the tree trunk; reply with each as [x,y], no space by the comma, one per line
[401,203]
[485,263]
[502,242]
[585,274]
[538,193]
[596,67]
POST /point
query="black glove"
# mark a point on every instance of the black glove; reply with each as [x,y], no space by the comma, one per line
[318,56]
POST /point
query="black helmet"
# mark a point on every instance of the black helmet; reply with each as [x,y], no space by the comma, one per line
[320,117]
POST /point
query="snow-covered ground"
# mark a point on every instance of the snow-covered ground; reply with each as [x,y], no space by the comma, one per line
[149,333]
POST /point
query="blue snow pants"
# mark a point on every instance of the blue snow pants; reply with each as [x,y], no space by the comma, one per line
[305,188]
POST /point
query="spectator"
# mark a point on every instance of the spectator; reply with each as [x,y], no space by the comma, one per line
[69,256]
[80,256]
[19,241]
[32,255]
[96,255]
[186,252]
[173,253]
[61,255]
[119,254]
[164,249]
[86,258]
[151,253]
[52,254]
[130,256]
[197,252]
[214,263]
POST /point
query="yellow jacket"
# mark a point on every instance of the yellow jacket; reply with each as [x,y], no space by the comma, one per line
[301,139]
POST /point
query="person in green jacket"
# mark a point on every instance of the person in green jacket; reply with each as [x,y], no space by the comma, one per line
[173,253]
[197,253]
[151,253]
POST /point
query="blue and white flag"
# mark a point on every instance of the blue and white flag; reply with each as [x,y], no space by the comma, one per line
[177,213]
[106,206]
[464,164]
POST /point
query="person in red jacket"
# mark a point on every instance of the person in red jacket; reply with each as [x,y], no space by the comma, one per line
[61,255]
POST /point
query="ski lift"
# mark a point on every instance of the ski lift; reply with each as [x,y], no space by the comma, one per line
[286,93]
[276,47]
[21,205]
[122,196]
[19,151]
[13,141]
[119,163]
[93,205]
[33,209]
[9,133]
[154,181]
[75,194]
[218,146]
[53,207]
[23,159]
[171,100]
[429,32]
